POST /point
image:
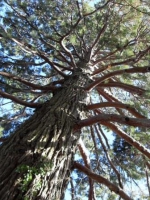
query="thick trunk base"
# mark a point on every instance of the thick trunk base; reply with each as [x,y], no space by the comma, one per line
[36,160]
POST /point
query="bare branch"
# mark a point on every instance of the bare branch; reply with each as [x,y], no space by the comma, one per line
[41,54]
[68,52]
[35,86]
[85,156]
[99,35]
[21,102]
[104,136]
[63,67]
[118,72]
[128,138]
[97,9]
[129,61]
[116,105]
[102,180]
[78,6]
[147,178]
[107,95]
[72,189]
[137,122]
[108,157]
[127,87]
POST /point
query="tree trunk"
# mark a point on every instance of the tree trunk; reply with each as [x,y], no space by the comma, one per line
[36,161]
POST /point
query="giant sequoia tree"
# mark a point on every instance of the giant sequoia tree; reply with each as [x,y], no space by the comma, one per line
[75,78]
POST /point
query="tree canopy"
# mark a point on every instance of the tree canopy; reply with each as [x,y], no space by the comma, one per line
[43,43]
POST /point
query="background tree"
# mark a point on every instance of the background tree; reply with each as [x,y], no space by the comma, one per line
[76,72]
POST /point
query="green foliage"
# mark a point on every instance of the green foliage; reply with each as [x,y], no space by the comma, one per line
[32,175]
[28,174]
[1,131]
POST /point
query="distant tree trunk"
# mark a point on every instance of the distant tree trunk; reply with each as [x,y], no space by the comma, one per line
[36,161]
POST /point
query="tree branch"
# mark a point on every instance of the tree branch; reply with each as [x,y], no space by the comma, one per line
[51,64]
[137,122]
[68,52]
[35,86]
[85,156]
[97,9]
[102,180]
[127,138]
[118,72]
[130,61]
[116,105]
[21,102]
[108,157]
[109,97]
[99,35]
[130,88]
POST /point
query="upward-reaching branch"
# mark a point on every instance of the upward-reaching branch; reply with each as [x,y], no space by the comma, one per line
[118,72]
[102,180]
